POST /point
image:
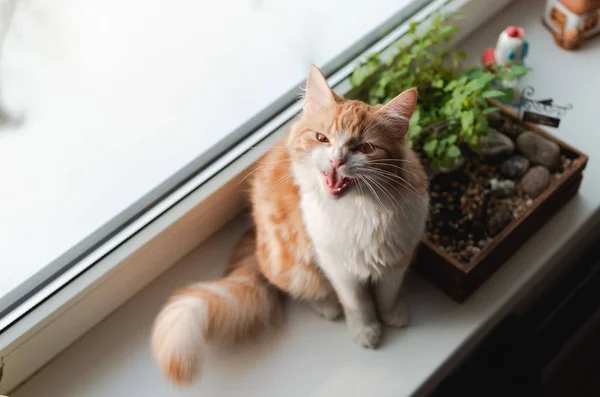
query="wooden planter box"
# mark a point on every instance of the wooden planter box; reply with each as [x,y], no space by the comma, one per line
[460,281]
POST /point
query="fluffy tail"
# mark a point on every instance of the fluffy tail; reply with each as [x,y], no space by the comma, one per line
[236,307]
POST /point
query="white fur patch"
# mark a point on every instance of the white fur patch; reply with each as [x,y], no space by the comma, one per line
[360,232]
[178,335]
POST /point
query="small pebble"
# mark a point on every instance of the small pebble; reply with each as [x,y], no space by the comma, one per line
[502,188]
[514,167]
[565,163]
[535,181]
[473,251]
[500,216]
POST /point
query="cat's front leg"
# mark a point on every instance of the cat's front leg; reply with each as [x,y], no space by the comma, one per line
[392,310]
[358,304]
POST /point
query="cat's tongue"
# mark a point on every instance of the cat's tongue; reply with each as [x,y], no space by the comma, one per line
[334,180]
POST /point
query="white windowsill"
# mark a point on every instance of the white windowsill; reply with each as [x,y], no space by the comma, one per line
[312,357]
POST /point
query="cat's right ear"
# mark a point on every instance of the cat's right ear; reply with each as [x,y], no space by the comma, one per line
[318,94]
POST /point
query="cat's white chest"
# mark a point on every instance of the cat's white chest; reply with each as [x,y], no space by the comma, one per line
[360,234]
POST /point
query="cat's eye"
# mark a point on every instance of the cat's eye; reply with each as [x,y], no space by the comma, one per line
[322,138]
[365,148]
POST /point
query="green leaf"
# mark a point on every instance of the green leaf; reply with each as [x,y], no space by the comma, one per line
[416,116]
[413,27]
[466,120]
[357,77]
[452,138]
[430,147]
[519,70]
[509,97]
[414,130]
[441,149]
[473,140]
[491,109]
[493,94]
[453,151]
[405,59]
[451,85]
[437,83]
[474,85]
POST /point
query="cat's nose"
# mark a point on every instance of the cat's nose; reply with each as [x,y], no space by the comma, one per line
[337,163]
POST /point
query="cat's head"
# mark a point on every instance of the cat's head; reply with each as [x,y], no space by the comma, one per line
[339,143]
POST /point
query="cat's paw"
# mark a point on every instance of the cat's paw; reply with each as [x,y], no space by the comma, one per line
[397,317]
[367,335]
[328,308]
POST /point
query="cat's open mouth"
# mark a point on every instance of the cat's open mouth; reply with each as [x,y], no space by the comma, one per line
[336,184]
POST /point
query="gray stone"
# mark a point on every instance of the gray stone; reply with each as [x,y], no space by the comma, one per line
[496,145]
[514,167]
[535,181]
[500,215]
[539,150]
[512,130]
[495,120]
[501,188]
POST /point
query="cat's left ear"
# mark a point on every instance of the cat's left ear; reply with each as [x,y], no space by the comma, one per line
[400,109]
[318,94]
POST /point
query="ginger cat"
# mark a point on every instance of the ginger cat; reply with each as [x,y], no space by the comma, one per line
[338,210]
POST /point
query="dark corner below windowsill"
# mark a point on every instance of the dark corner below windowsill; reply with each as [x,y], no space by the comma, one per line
[540,351]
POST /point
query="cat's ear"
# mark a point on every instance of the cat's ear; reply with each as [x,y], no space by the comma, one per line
[318,94]
[400,109]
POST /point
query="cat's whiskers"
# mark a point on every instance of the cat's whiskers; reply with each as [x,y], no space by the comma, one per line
[399,205]
[284,177]
[374,123]
[262,166]
[270,148]
[376,162]
[394,201]
[273,162]
[406,201]
[368,185]
[380,160]
[383,189]
[404,181]
[381,119]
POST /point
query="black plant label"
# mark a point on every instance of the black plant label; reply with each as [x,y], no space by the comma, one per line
[544,112]
[541,119]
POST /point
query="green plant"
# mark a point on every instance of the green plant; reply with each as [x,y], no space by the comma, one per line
[451,114]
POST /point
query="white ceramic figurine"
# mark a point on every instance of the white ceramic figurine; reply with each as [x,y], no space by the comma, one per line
[511,48]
